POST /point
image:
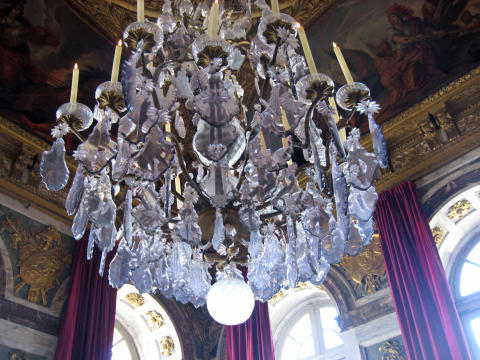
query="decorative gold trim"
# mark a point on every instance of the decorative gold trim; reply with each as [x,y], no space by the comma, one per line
[414,151]
[438,235]
[392,350]
[155,319]
[135,299]
[167,346]
[459,210]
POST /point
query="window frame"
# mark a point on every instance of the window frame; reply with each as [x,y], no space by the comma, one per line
[128,340]
[468,307]
[311,307]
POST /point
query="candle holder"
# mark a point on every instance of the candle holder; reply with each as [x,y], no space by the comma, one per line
[350,95]
[110,101]
[77,116]
[269,27]
[206,50]
[314,86]
[149,32]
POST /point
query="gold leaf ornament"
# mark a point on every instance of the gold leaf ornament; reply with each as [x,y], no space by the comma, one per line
[112,100]
[319,89]
[167,346]
[207,55]
[136,35]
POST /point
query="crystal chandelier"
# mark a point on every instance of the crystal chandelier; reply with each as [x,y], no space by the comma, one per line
[186,206]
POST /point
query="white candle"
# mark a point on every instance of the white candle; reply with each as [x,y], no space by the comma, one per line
[286,126]
[262,141]
[306,49]
[168,130]
[116,61]
[178,188]
[140,10]
[74,89]
[213,21]
[333,104]
[275,7]
[343,64]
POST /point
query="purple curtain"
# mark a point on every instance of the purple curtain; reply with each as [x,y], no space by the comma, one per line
[424,304]
[89,313]
[251,340]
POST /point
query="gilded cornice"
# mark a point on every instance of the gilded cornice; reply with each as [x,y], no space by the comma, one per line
[414,146]
[20,153]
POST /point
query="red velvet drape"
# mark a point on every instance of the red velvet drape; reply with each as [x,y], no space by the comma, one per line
[251,340]
[425,308]
[89,313]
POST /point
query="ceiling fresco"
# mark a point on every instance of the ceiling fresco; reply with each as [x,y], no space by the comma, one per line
[39,43]
[403,50]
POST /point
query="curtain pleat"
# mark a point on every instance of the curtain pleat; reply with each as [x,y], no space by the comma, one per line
[425,308]
[89,313]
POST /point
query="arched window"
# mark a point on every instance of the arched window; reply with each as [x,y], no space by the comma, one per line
[467,292]
[456,228]
[304,326]
[123,347]
[143,329]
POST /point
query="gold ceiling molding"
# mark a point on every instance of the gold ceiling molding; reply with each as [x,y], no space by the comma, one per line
[20,153]
[414,147]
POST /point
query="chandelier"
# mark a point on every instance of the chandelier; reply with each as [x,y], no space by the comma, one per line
[192,182]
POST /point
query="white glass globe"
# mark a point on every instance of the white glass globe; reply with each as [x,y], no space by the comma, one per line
[230,301]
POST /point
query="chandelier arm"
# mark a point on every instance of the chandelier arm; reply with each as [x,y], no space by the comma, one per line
[242,174]
[181,162]
[177,195]
[270,215]
[265,68]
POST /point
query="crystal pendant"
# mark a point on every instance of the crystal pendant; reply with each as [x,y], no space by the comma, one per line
[53,167]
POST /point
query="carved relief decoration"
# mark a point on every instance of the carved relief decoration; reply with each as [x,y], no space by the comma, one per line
[155,319]
[135,299]
[458,210]
[42,258]
[167,346]
[438,235]
[392,350]
[432,132]
[366,269]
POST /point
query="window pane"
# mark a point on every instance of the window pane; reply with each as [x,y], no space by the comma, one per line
[475,323]
[469,279]
[474,255]
[290,349]
[332,339]
[328,315]
[117,337]
[301,329]
[308,349]
[121,351]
